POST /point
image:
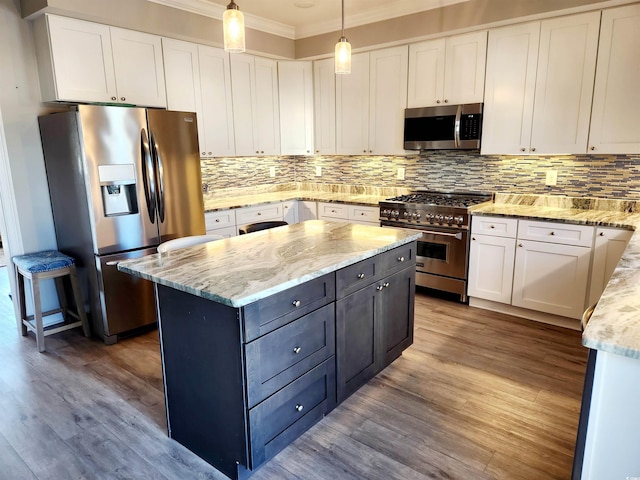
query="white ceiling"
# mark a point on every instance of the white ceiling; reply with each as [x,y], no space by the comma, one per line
[305,18]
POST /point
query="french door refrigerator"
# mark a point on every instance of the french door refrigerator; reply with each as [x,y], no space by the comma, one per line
[121,181]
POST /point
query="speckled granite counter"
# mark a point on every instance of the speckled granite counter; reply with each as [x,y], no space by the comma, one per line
[615,324]
[240,270]
[356,195]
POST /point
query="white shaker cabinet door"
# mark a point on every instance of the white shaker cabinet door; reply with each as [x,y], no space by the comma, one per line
[491,261]
[426,73]
[75,61]
[512,54]
[464,69]
[217,109]
[388,100]
[616,97]
[244,103]
[182,79]
[267,108]
[609,245]
[324,107]
[139,70]
[352,108]
[564,84]
[295,82]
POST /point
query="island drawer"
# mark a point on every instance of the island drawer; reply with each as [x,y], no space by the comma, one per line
[281,356]
[361,274]
[552,232]
[272,312]
[284,416]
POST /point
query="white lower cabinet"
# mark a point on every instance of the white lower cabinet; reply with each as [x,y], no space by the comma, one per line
[221,222]
[307,210]
[608,247]
[290,212]
[491,271]
[551,278]
[340,212]
[333,212]
[261,213]
[364,215]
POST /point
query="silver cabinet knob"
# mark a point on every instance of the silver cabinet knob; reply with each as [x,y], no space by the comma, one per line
[446,101]
[401,259]
[114,99]
[522,149]
[297,350]
[520,245]
[296,303]
[259,213]
[386,284]
[593,148]
[210,153]
[552,233]
[317,151]
[257,151]
[261,151]
[203,153]
[533,149]
[299,408]
[379,287]
[122,99]
[602,234]
[492,226]
[217,220]
[437,101]
[361,275]
[473,238]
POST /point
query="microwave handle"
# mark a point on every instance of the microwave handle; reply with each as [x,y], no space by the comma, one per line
[456,128]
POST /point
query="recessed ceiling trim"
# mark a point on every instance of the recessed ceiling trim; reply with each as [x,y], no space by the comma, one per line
[213,10]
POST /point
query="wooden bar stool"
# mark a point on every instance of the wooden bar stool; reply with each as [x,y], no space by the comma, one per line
[40,266]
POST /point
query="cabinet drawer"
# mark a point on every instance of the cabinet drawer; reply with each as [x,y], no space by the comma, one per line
[397,259]
[265,315]
[364,214]
[550,232]
[221,219]
[495,226]
[333,211]
[284,416]
[262,213]
[279,357]
[226,232]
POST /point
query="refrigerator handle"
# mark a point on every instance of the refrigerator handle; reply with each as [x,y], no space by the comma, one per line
[159,176]
[148,178]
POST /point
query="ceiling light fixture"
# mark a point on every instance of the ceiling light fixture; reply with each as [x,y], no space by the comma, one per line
[343,51]
[233,28]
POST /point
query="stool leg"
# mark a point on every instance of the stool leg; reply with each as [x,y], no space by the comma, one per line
[62,298]
[21,302]
[37,313]
[77,295]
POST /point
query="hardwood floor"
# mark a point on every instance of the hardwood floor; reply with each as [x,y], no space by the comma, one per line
[479,395]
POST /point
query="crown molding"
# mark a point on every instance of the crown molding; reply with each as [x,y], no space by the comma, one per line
[213,10]
[397,8]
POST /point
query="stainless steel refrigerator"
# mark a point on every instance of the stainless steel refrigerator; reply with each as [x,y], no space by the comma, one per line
[121,181]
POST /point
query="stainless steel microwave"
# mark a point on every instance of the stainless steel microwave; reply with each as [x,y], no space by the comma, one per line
[443,127]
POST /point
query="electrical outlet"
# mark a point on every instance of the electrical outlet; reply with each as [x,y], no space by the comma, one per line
[318,171]
[272,172]
[400,174]
[552,178]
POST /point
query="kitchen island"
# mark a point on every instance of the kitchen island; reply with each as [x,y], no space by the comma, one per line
[263,334]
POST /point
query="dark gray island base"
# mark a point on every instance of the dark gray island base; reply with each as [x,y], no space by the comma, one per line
[242,382]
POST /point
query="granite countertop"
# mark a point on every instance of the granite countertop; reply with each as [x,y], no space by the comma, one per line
[615,324]
[240,270]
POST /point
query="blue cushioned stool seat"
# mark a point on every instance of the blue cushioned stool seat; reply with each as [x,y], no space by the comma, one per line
[49,264]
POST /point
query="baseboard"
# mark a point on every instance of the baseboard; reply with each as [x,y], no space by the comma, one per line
[548,318]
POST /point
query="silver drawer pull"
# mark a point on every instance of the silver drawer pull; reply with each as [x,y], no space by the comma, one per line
[297,349]
[551,233]
[217,220]
[386,284]
[361,275]
[296,303]
[401,259]
[492,226]
[380,287]
[299,408]
[259,213]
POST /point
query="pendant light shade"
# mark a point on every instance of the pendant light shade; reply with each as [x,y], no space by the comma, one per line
[233,27]
[343,51]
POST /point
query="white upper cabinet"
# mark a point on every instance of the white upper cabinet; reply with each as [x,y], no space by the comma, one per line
[564,84]
[217,108]
[370,103]
[198,80]
[295,82]
[447,70]
[509,89]
[82,61]
[616,98]
[538,86]
[324,106]
[254,87]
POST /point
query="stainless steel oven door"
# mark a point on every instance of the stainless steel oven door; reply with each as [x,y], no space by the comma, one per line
[443,252]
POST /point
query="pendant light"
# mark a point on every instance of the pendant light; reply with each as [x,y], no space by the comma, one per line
[233,27]
[343,51]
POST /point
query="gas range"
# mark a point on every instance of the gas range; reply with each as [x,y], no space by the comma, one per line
[422,208]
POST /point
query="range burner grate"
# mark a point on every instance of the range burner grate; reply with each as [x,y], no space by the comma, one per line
[443,199]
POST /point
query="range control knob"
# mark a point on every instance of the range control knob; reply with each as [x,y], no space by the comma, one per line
[416,216]
[406,214]
[395,213]
[449,219]
[459,220]
[439,218]
[431,217]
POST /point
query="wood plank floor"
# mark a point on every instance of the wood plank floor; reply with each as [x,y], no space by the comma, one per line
[479,395]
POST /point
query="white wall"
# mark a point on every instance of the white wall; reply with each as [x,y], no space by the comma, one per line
[20,105]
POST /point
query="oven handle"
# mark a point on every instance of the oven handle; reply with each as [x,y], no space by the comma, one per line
[458,235]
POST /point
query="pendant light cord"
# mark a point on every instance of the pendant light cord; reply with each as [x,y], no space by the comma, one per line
[342,18]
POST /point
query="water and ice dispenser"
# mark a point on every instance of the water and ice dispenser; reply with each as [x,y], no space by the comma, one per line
[118,188]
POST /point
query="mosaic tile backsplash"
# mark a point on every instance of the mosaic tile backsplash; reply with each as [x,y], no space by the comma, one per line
[600,176]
